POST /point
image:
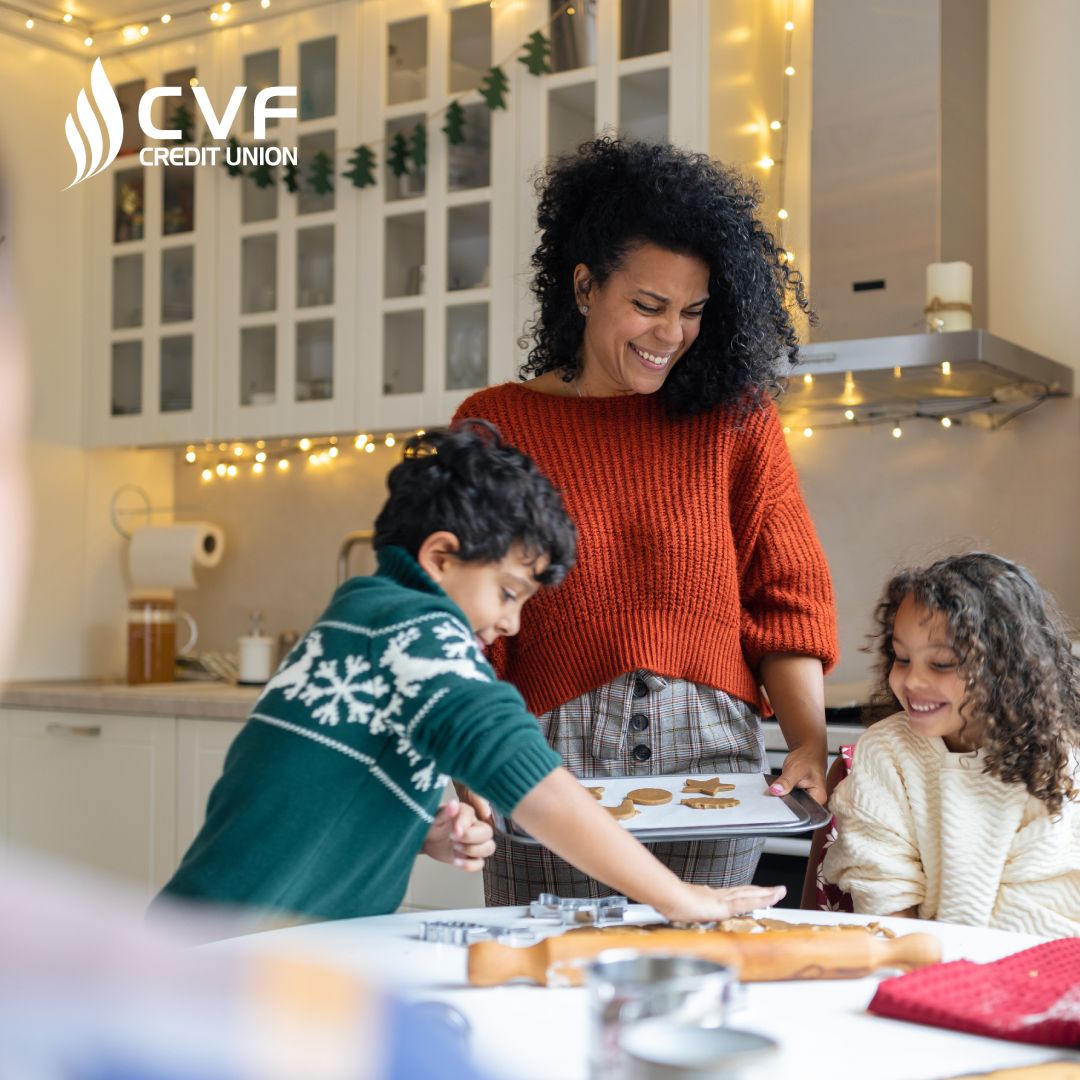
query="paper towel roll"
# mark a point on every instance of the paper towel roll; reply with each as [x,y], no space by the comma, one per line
[165,556]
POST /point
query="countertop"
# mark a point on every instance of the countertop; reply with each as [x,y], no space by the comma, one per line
[196,700]
[522,1032]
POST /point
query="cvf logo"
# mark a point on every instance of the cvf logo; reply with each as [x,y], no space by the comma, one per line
[86,132]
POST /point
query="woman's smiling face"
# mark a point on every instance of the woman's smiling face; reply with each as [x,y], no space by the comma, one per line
[640,321]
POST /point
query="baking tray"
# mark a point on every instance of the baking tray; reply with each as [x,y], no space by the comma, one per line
[758,813]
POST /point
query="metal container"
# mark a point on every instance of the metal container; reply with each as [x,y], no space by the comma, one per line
[625,987]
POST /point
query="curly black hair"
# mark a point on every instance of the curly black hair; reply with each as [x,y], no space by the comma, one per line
[467,481]
[1022,682]
[614,195]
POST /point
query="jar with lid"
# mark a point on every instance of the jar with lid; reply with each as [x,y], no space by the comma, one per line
[151,639]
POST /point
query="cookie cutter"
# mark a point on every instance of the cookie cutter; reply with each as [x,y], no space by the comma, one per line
[457,932]
[579,911]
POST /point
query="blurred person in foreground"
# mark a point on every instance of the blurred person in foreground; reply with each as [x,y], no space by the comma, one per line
[87,994]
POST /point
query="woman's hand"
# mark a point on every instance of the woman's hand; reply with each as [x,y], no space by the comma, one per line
[804,767]
[457,837]
[700,903]
[796,690]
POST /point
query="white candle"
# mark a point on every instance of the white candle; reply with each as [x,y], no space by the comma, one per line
[947,284]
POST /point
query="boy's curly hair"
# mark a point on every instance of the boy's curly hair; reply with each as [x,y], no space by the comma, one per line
[613,195]
[1022,682]
[467,481]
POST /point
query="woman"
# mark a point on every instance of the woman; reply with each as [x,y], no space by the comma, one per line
[661,325]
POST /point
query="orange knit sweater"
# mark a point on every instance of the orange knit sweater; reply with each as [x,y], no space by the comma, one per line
[696,554]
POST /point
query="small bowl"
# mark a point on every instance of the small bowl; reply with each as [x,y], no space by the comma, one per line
[659,1049]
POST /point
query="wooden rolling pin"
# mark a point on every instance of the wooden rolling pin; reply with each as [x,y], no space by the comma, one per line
[764,957]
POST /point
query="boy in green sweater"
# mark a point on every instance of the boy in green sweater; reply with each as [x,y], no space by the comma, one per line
[332,788]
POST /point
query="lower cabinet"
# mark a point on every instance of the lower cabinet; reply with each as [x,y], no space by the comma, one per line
[94,790]
[201,746]
[126,795]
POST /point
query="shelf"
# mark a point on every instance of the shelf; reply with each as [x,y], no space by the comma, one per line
[258,365]
[178,284]
[403,352]
[404,255]
[315,266]
[176,373]
[643,105]
[645,27]
[307,200]
[571,117]
[468,247]
[470,47]
[406,67]
[258,273]
[127,291]
[318,79]
[466,347]
[315,360]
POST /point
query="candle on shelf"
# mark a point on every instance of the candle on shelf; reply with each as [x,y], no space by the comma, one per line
[948,296]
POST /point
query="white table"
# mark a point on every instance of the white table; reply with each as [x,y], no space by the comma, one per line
[523,1032]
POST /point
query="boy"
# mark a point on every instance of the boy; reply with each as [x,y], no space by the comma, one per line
[331,789]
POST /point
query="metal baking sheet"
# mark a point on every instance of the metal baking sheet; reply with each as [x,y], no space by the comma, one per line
[758,812]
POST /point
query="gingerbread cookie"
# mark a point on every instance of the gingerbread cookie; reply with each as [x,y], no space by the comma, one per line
[705,803]
[623,811]
[706,787]
[649,796]
[595,792]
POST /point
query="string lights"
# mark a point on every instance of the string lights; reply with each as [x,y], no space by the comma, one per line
[226,460]
[129,32]
[778,160]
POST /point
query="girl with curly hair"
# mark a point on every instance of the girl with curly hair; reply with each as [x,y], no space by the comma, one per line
[963,806]
[663,321]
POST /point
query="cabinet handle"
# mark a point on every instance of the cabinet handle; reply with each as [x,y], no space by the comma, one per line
[86,730]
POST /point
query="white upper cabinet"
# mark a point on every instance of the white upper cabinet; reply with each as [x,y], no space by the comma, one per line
[151,309]
[230,307]
[286,330]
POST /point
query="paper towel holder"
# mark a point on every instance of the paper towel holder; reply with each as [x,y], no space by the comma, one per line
[116,511]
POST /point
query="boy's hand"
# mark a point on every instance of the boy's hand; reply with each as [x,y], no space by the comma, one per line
[700,903]
[456,837]
[477,802]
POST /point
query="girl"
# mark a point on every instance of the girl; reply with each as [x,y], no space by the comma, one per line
[963,807]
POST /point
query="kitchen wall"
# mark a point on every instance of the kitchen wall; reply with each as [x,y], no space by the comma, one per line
[75,591]
[282,534]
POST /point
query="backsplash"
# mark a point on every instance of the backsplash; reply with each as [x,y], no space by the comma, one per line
[878,503]
[282,534]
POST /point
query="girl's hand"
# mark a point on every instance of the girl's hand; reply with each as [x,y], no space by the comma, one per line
[700,903]
[456,837]
[804,767]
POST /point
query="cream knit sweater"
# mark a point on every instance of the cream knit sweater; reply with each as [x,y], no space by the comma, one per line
[922,827]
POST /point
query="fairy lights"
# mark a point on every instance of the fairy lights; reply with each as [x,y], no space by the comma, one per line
[129,33]
[222,460]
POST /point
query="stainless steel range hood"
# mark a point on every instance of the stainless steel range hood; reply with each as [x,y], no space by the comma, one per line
[967,373]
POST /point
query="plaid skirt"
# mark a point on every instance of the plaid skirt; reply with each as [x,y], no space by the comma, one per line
[641,725]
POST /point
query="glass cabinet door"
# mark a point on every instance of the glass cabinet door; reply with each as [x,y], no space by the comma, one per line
[154,232]
[284,254]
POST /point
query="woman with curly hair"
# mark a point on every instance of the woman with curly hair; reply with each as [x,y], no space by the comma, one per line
[662,325]
[963,807]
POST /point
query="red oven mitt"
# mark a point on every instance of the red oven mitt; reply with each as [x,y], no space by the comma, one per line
[1032,996]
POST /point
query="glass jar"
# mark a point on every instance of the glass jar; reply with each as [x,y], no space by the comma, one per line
[151,639]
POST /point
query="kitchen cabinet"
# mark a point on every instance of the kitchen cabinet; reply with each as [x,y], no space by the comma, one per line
[201,746]
[93,789]
[150,278]
[288,264]
[220,309]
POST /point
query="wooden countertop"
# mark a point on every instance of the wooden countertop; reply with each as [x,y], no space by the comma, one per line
[198,700]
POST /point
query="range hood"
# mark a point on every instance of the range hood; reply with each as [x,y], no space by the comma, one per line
[969,376]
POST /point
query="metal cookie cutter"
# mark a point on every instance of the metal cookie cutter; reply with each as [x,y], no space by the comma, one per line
[575,911]
[455,932]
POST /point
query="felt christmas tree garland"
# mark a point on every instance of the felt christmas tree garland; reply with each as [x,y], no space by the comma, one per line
[406,151]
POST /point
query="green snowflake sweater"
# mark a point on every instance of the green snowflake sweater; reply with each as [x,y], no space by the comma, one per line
[329,789]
